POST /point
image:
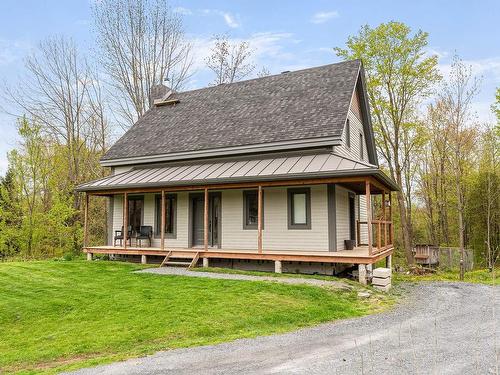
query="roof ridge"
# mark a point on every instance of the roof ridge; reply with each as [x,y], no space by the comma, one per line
[267,77]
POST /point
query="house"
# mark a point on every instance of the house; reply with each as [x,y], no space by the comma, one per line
[279,171]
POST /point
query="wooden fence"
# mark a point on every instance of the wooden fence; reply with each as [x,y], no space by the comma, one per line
[442,257]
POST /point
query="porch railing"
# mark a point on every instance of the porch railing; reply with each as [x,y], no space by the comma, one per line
[383,234]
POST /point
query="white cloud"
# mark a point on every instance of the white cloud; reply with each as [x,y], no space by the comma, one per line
[322,17]
[479,67]
[270,49]
[184,11]
[230,19]
[12,50]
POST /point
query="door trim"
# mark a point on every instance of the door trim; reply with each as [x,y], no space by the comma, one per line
[136,197]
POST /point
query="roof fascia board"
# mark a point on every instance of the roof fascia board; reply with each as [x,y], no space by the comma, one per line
[367,121]
[263,147]
[348,173]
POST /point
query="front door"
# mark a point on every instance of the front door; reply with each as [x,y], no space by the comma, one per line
[135,212]
[197,202]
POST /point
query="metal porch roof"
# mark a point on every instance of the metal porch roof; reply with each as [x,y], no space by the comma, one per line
[238,170]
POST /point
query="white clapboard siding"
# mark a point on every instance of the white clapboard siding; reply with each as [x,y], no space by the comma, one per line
[181,238]
[117,212]
[233,234]
[353,152]
[276,235]
[342,216]
[363,217]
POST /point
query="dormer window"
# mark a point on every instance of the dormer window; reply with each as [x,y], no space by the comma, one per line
[348,133]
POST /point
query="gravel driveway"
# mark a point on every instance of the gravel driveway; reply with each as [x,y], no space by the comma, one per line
[440,328]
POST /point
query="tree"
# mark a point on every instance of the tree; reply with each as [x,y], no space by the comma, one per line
[483,200]
[30,170]
[457,94]
[62,95]
[10,216]
[141,44]
[229,61]
[263,72]
[434,179]
[399,76]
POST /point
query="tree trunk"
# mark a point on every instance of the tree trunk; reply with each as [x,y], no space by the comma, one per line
[405,229]
[461,229]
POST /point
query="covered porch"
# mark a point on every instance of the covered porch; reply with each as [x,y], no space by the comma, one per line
[366,223]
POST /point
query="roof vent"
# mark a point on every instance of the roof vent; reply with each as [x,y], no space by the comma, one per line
[286,71]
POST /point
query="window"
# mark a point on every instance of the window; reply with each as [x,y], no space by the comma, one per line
[251,209]
[299,208]
[348,133]
[170,215]
[361,148]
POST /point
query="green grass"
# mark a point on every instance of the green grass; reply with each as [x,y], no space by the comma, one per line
[475,276]
[64,315]
[271,274]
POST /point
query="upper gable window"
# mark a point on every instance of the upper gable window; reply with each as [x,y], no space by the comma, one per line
[348,133]
[361,148]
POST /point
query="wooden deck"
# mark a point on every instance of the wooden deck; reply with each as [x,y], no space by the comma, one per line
[359,255]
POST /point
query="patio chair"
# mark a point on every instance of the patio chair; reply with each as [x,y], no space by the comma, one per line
[119,236]
[145,233]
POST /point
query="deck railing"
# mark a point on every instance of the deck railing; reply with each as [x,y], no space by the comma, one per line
[383,234]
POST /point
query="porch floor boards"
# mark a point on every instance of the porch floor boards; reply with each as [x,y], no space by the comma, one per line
[359,255]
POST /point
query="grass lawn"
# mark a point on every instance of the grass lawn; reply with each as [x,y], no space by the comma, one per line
[475,276]
[273,274]
[57,315]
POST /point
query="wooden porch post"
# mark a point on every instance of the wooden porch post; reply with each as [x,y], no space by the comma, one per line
[384,218]
[369,215]
[125,219]
[205,221]
[162,228]
[85,221]
[259,220]
[391,232]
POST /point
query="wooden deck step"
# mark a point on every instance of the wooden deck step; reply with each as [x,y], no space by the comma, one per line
[180,259]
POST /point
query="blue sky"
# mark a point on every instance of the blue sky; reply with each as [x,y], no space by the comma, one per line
[286,35]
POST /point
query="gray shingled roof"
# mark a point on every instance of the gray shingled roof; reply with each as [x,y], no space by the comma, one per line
[237,170]
[305,104]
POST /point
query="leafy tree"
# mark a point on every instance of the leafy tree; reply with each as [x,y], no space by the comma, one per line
[10,215]
[399,76]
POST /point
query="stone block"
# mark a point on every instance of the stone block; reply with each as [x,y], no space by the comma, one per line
[383,288]
[382,272]
[381,281]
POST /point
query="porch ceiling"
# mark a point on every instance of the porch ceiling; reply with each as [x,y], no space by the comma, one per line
[255,169]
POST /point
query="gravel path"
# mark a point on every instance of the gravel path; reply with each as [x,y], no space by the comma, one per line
[441,328]
[181,271]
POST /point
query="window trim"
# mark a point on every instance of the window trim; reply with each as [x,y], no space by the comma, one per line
[157,233]
[348,134]
[246,193]
[290,193]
